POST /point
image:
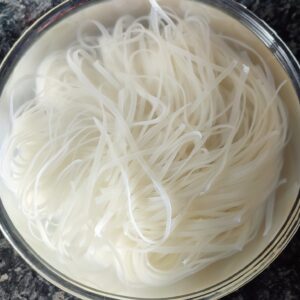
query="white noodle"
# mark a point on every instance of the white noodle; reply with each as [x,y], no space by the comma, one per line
[154,147]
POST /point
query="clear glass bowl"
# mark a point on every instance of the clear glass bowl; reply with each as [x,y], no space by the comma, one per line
[55,29]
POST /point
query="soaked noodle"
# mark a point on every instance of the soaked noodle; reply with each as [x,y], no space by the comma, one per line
[154,147]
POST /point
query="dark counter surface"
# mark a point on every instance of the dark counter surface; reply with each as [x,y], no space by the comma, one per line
[281,281]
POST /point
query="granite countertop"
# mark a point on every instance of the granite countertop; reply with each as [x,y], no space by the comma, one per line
[281,281]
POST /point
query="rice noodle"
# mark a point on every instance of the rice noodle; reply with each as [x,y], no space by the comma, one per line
[154,148]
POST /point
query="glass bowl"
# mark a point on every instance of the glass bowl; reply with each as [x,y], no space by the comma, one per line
[56,29]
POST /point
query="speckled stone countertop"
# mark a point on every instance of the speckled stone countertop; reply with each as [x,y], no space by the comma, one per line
[281,281]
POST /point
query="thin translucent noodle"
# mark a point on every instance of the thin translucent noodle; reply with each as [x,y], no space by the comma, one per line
[154,148]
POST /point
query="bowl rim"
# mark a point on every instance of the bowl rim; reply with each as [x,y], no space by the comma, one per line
[286,59]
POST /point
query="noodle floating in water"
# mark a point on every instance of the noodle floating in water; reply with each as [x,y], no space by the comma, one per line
[154,147]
